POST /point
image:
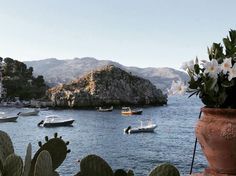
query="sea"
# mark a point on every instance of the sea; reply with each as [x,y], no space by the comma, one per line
[102,133]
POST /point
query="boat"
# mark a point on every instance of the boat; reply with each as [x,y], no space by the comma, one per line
[150,127]
[34,112]
[55,121]
[8,118]
[100,109]
[129,111]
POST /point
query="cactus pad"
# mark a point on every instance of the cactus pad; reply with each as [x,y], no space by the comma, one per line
[57,149]
[27,160]
[43,165]
[93,165]
[6,147]
[13,166]
[130,173]
[120,172]
[165,169]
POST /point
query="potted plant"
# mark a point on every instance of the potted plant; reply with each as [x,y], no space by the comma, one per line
[214,81]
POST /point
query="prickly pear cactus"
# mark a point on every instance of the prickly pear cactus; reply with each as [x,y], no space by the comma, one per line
[93,165]
[13,166]
[43,165]
[1,166]
[57,149]
[27,160]
[130,173]
[165,169]
[120,172]
[6,147]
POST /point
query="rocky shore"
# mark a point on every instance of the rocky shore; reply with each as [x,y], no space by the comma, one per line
[108,85]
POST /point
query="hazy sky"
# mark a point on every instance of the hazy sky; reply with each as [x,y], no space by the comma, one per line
[144,33]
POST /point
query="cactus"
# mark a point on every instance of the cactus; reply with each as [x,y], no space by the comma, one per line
[93,165]
[165,169]
[6,147]
[57,149]
[130,173]
[43,165]
[120,172]
[1,166]
[27,160]
[13,166]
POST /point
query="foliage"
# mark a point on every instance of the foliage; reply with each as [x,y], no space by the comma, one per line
[18,81]
[214,80]
[50,156]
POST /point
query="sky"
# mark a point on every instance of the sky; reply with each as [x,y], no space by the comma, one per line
[143,33]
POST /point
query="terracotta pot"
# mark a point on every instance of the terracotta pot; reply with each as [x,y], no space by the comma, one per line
[216,133]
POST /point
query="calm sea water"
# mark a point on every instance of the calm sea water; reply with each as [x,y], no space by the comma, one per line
[102,134]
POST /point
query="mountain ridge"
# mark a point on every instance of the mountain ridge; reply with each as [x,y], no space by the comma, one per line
[57,71]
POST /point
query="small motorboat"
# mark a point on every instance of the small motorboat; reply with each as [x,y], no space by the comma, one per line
[33,112]
[129,111]
[55,121]
[142,129]
[100,109]
[8,118]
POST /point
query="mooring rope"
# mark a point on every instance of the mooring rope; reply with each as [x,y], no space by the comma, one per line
[195,146]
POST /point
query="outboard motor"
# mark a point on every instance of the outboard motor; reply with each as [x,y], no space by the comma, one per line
[40,123]
[127,129]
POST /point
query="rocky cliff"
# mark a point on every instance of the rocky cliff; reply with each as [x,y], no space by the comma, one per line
[109,85]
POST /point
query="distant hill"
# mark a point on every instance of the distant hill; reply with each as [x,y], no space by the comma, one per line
[62,71]
[108,85]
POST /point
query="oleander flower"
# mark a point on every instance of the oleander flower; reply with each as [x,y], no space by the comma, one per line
[177,87]
[213,80]
[212,68]
[226,65]
[232,73]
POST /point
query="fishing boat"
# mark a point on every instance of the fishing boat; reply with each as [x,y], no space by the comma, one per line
[129,111]
[100,109]
[8,118]
[55,121]
[33,112]
[150,127]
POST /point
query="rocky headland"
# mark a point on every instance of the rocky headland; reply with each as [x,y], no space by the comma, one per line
[108,85]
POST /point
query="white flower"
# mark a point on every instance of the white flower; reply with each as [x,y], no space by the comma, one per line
[177,87]
[188,65]
[212,68]
[226,65]
[232,73]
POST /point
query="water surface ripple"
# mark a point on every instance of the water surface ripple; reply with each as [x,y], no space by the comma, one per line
[102,134]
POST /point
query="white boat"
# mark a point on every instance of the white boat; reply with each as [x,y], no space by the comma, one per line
[33,112]
[55,121]
[150,127]
[8,118]
[100,109]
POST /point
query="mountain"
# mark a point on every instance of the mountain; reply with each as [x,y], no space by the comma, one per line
[62,71]
[108,85]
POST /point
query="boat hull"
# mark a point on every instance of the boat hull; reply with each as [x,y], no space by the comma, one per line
[143,130]
[57,124]
[29,113]
[8,119]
